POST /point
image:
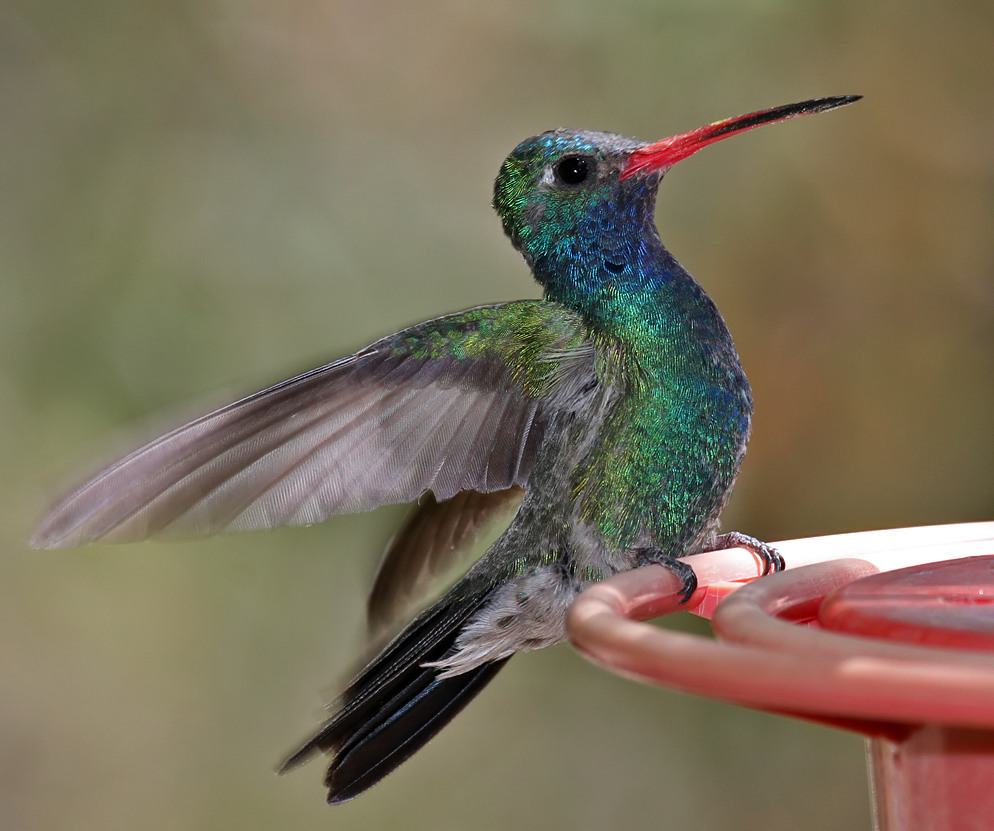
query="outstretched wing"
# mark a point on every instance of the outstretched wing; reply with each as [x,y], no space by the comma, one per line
[457,403]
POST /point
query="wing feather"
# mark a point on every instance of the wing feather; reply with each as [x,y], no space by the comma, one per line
[434,537]
[447,405]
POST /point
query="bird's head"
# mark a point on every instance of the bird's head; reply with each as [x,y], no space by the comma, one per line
[574,201]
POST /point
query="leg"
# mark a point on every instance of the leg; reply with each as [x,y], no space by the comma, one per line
[650,556]
[772,561]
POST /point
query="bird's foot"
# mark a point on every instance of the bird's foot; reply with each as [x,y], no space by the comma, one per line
[686,575]
[772,561]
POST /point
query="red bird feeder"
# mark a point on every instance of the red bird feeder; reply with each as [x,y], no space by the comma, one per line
[889,633]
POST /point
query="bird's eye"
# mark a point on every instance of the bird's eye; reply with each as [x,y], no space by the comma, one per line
[572,170]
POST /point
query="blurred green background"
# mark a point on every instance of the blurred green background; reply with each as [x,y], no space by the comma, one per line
[199,198]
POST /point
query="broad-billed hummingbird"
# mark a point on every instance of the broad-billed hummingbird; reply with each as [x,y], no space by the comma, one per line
[617,404]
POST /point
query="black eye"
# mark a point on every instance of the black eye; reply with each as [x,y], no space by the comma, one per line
[572,170]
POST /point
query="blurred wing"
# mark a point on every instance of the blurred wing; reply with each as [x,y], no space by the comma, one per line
[434,537]
[456,403]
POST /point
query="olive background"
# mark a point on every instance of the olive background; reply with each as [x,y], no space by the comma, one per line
[200,198]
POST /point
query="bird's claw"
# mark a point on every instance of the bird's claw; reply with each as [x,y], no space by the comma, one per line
[683,572]
[772,560]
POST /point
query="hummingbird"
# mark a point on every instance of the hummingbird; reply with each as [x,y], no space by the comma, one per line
[613,413]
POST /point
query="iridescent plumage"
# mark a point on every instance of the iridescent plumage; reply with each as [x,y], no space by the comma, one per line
[617,403]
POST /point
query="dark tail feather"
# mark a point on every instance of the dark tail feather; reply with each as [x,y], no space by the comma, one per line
[407,723]
[395,705]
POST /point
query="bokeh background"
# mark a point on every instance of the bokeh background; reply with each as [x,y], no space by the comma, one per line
[201,197]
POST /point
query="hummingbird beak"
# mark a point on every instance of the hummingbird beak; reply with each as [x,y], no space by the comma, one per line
[662,155]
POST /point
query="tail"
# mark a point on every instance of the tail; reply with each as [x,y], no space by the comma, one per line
[396,704]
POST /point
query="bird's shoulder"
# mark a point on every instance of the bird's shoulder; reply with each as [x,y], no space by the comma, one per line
[535,343]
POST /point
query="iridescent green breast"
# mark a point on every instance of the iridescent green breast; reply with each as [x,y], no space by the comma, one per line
[667,454]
